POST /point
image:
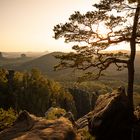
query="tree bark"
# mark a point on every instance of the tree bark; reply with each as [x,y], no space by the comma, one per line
[131,69]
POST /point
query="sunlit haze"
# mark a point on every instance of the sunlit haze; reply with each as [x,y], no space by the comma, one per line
[27,25]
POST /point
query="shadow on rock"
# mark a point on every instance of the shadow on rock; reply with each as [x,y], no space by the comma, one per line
[29,127]
[110,118]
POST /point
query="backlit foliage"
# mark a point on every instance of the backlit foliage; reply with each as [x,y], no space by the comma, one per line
[85,30]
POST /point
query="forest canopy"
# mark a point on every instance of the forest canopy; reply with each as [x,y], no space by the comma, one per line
[33,92]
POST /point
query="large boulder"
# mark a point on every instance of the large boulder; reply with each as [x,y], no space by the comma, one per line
[29,127]
[110,118]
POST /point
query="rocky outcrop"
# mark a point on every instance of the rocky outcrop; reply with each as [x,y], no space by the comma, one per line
[109,120]
[84,101]
[29,127]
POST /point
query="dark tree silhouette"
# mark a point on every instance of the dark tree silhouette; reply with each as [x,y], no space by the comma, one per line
[121,20]
[1,56]
[23,55]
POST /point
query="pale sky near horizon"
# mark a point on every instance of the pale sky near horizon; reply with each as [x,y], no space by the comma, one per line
[27,25]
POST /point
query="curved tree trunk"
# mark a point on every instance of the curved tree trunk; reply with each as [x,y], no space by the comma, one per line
[130,86]
[131,70]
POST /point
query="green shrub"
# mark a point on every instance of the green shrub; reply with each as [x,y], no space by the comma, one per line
[85,135]
[54,113]
[7,118]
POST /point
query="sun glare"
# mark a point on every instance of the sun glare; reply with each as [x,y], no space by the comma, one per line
[101,29]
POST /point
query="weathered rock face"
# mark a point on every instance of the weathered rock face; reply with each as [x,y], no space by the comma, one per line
[84,101]
[110,119]
[136,127]
[137,112]
[29,127]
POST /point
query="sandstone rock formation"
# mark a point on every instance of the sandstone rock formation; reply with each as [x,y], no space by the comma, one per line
[29,127]
[109,119]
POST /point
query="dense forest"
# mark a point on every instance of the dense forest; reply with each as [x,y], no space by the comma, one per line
[35,93]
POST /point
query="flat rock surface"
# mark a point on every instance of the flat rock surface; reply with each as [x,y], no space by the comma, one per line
[29,127]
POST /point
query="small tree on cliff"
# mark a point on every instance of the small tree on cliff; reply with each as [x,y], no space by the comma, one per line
[121,20]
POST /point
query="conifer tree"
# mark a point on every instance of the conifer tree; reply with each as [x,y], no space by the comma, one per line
[121,21]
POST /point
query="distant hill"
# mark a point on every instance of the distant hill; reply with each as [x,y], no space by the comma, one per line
[18,54]
[10,60]
[46,63]
[13,62]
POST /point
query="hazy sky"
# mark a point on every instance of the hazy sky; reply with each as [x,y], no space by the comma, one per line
[27,25]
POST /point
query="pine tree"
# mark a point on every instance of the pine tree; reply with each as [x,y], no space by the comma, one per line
[121,20]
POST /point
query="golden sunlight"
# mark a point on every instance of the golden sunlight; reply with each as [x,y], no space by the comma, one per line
[27,25]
